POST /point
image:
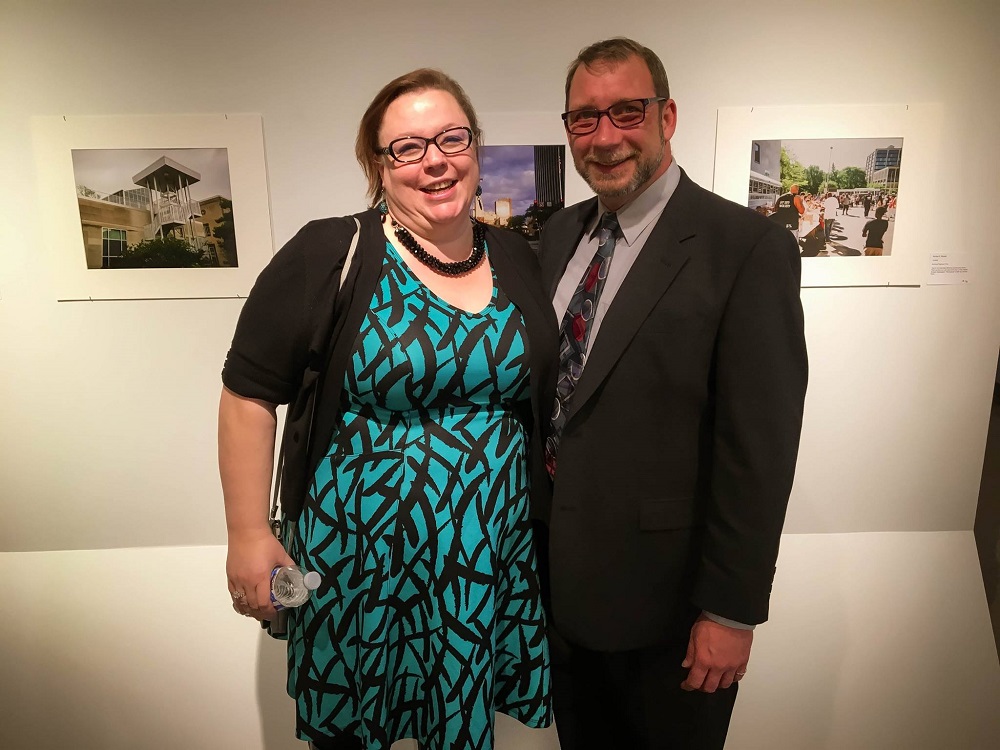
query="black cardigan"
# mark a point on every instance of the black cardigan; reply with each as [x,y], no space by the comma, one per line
[275,341]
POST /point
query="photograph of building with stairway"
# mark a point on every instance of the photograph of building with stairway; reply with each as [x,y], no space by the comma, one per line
[155,208]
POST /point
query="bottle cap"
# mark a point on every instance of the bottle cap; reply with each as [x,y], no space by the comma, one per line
[312,580]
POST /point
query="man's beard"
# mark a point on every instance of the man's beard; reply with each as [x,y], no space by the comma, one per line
[644,170]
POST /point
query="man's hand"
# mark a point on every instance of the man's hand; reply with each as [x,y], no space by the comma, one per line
[717,655]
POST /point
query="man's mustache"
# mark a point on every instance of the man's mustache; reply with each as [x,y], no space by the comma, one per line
[607,159]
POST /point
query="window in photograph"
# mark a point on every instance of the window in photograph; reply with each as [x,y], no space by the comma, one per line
[114,242]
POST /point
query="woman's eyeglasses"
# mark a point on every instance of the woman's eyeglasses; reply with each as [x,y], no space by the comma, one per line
[413,147]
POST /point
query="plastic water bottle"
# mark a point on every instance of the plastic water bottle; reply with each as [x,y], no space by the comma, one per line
[292,586]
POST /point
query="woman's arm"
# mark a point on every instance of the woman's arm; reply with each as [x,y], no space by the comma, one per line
[246,458]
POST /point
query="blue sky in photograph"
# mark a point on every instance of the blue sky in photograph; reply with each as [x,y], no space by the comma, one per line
[508,172]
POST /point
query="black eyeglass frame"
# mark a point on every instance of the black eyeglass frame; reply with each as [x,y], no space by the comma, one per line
[607,113]
[388,150]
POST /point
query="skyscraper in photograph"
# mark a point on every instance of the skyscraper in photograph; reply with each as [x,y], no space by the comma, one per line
[882,168]
[550,176]
[881,158]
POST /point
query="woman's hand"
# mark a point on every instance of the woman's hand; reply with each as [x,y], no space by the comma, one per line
[253,554]
[246,452]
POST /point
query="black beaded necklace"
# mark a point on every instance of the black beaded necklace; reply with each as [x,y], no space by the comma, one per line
[456,268]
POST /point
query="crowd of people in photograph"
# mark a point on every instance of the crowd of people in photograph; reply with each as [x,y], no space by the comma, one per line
[811,218]
[866,201]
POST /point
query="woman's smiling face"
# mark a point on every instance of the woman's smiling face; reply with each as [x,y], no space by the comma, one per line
[438,189]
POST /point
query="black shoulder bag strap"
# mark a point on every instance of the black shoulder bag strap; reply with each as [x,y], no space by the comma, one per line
[306,422]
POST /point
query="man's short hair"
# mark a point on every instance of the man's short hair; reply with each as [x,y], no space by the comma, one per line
[618,50]
[880,212]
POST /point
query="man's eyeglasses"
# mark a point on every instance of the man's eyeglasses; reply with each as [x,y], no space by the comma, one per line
[625,114]
[413,147]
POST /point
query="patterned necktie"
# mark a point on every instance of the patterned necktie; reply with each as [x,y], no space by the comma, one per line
[574,335]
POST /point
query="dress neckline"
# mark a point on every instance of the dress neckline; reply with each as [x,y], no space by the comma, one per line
[491,304]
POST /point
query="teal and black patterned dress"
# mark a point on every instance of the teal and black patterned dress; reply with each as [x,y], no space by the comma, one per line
[429,617]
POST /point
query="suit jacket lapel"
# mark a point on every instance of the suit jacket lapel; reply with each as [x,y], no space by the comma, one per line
[560,240]
[660,260]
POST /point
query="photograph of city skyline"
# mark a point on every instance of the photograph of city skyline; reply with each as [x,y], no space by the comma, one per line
[836,195]
[521,187]
[155,208]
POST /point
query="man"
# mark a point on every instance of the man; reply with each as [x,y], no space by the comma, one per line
[873,232]
[830,205]
[676,426]
[788,209]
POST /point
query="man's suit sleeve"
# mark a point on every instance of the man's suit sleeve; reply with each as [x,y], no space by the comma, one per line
[759,380]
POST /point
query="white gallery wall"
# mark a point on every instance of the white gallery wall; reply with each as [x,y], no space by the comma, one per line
[118,631]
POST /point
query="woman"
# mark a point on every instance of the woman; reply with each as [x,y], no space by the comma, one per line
[428,619]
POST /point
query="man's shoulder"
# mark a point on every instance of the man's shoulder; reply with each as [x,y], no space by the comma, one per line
[725,229]
[713,209]
[573,214]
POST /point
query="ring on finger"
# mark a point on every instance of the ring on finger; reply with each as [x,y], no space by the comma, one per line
[237,595]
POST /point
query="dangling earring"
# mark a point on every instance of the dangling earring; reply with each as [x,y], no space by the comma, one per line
[479,190]
[383,208]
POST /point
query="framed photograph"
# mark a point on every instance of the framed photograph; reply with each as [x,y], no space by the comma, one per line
[522,186]
[530,129]
[835,178]
[153,207]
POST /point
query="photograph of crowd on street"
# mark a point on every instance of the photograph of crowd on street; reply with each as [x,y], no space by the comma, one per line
[836,195]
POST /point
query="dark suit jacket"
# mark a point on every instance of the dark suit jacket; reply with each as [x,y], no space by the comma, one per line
[677,459]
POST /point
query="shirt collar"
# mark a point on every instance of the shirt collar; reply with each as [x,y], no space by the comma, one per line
[634,217]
